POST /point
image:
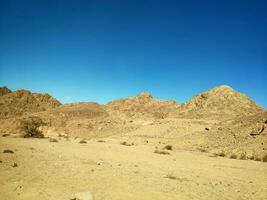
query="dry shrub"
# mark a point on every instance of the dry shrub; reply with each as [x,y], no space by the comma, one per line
[30,126]
[127,144]
[101,141]
[201,149]
[160,115]
[257,158]
[221,154]
[168,147]
[161,152]
[83,141]
[233,156]
[264,158]
[243,156]
[53,140]
[171,176]
[8,151]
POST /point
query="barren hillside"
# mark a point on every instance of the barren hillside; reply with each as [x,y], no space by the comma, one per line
[22,102]
[220,102]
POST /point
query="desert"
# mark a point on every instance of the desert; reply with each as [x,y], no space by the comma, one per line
[211,147]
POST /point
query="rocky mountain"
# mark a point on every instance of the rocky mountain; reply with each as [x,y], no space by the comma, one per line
[23,102]
[220,101]
[144,103]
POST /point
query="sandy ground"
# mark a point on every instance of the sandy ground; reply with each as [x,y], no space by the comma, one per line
[112,171]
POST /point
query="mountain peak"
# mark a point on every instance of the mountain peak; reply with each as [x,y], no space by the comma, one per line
[145,95]
[221,100]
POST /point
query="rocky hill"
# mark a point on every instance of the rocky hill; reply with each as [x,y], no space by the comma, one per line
[22,102]
[222,101]
[144,104]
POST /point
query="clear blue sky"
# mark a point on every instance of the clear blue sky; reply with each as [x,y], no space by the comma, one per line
[103,50]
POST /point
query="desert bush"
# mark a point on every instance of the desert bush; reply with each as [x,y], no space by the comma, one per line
[161,152]
[30,126]
[101,141]
[83,141]
[251,157]
[8,151]
[53,140]
[233,156]
[221,154]
[201,149]
[171,176]
[264,158]
[257,158]
[160,115]
[127,144]
[168,147]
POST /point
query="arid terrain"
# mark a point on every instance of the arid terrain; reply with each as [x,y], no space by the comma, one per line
[214,146]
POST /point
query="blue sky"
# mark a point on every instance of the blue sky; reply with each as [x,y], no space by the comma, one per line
[102,50]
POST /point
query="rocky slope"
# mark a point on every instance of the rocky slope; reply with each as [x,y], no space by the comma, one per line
[144,104]
[22,102]
[219,102]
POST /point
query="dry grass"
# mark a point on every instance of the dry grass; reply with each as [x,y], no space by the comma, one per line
[161,152]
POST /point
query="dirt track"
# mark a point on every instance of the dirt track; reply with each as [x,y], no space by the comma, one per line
[112,171]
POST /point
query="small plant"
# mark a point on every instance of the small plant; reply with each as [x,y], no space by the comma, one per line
[264,158]
[30,126]
[168,147]
[233,156]
[161,152]
[127,144]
